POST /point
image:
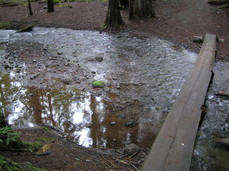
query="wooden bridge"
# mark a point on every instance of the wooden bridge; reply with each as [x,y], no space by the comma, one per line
[173,148]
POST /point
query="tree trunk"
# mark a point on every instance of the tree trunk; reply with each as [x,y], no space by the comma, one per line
[131,9]
[143,9]
[113,18]
[218,2]
[30,8]
[50,6]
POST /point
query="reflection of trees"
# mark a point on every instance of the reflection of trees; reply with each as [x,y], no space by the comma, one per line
[10,93]
[36,105]
[95,122]
[69,111]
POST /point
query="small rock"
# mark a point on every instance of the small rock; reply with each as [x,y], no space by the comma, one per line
[99,59]
[198,39]
[122,116]
[99,93]
[66,81]
[32,77]
[131,123]
[131,149]
[88,125]
[17,70]
[221,40]
[114,78]
[113,123]
[7,67]
[60,53]
[106,89]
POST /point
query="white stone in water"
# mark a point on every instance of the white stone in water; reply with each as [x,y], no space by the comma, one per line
[221,40]
[198,39]
[113,123]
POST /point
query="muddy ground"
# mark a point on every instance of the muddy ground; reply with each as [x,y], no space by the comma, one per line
[176,20]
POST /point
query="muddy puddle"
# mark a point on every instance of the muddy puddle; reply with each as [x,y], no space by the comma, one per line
[46,78]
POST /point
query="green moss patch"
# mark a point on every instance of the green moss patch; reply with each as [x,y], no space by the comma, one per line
[8,165]
[98,84]
[26,28]
[4,25]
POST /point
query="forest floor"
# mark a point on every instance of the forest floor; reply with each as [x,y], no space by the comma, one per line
[177,20]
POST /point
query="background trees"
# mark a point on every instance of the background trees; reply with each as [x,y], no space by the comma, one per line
[113,19]
[30,8]
[140,9]
[143,9]
[50,6]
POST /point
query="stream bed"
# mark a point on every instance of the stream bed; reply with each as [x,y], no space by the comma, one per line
[208,154]
[46,78]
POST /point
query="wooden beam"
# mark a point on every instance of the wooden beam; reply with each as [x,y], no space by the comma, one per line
[173,147]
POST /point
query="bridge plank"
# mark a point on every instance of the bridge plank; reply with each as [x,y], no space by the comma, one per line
[173,147]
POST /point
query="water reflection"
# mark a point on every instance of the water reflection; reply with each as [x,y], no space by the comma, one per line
[83,117]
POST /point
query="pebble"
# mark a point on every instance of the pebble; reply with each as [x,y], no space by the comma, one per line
[113,123]
[131,123]
[131,149]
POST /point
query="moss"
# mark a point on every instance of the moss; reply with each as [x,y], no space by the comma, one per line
[104,27]
[7,165]
[32,146]
[26,28]
[44,140]
[98,84]
[46,129]
[4,25]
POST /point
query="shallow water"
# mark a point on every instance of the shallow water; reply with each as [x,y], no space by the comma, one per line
[208,155]
[143,76]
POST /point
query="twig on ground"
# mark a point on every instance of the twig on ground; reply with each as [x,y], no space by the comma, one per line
[132,155]
[121,161]
[134,167]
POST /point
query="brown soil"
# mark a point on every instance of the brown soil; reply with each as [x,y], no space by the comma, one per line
[177,20]
[61,154]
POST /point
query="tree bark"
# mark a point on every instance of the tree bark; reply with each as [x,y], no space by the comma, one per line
[131,9]
[143,9]
[113,19]
[30,8]
[218,2]
[50,6]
